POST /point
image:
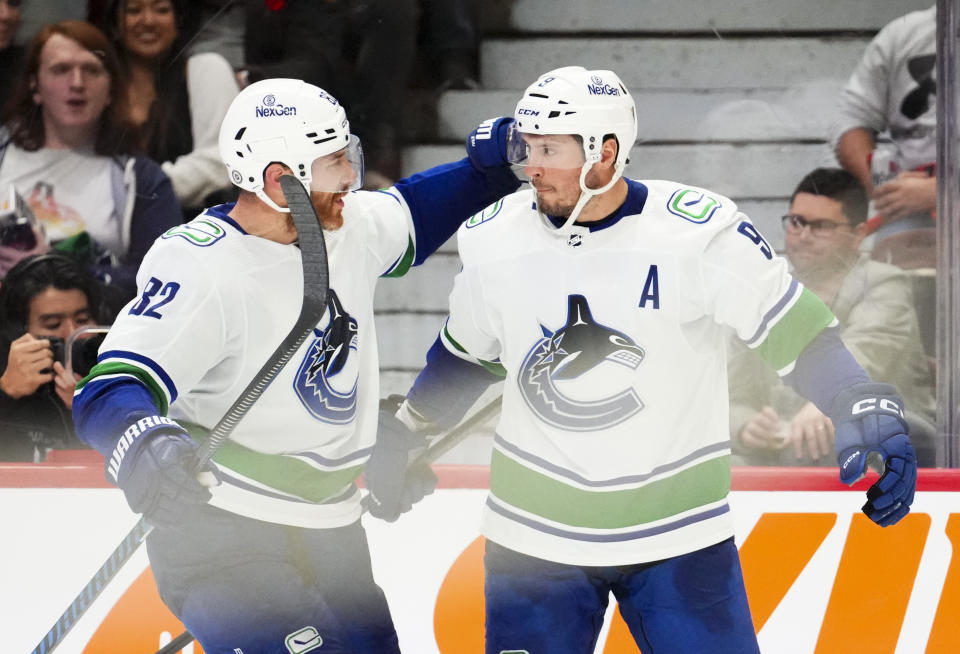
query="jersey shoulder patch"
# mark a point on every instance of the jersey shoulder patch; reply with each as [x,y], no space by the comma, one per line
[489,213]
[201,232]
[694,205]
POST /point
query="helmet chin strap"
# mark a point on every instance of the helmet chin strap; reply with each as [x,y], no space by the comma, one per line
[586,194]
[270,203]
[260,193]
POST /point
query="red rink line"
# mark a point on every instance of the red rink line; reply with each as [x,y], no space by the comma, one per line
[84,469]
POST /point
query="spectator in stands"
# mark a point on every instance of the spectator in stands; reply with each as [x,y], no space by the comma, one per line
[177,102]
[65,147]
[219,26]
[362,51]
[450,31]
[893,90]
[43,300]
[10,53]
[769,422]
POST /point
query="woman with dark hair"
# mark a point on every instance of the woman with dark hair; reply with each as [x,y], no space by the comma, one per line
[177,101]
[66,148]
[43,300]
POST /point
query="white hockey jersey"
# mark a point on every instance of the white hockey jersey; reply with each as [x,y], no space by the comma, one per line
[215,303]
[612,447]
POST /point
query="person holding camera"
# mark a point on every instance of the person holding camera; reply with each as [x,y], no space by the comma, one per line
[43,300]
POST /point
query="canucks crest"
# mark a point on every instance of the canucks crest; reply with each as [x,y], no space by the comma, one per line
[326,381]
[561,375]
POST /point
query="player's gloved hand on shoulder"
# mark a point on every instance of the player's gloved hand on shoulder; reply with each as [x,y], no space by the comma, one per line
[153,465]
[871,430]
[394,484]
[487,144]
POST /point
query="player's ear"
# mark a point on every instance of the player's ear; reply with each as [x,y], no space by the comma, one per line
[608,155]
[271,182]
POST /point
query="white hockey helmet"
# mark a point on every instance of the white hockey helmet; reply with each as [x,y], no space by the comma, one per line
[587,103]
[590,104]
[287,121]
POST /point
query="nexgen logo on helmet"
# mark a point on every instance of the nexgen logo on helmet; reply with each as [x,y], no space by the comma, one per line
[294,123]
[271,108]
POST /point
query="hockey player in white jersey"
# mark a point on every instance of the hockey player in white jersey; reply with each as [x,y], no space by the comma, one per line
[273,558]
[605,303]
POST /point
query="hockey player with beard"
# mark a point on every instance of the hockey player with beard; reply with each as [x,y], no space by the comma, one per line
[605,303]
[272,558]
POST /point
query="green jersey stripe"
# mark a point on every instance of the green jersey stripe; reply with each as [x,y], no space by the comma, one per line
[280,472]
[143,375]
[795,330]
[515,484]
[492,366]
[402,267]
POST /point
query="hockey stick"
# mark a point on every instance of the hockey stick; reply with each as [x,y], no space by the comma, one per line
[437,448]
[177,643]
[316,281]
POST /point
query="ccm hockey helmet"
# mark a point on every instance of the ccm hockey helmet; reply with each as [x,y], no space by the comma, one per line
[587,103]
[287,121]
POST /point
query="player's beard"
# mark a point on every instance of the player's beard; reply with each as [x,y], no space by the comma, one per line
[329,209]
[556,208]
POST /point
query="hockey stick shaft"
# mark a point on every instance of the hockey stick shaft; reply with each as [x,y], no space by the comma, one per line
[316,282]
[437,448]
[177,643]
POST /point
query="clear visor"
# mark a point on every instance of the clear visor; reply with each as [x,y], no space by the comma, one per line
[340,171]
[556,151]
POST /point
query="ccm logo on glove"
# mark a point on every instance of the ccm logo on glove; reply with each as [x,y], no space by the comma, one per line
[871,403]
[130,435]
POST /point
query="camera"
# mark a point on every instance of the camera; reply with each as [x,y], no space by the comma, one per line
[57,346]
[83,354]
[18,225]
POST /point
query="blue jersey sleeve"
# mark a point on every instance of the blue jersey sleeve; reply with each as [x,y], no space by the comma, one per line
[444,196]
[105,408]
[825,368]
[447,387]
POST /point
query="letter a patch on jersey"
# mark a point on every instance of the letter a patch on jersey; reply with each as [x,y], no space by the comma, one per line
[695,206]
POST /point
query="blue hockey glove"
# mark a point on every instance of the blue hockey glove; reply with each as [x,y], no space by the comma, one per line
[153,465]
[487,144]
[395,485]
[871,430]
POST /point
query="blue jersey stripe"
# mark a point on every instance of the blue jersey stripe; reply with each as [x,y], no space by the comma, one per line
[774,312]
[609,537]
[333,463]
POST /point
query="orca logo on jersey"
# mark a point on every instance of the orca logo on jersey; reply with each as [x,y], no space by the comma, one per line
[564,358]
[326,381]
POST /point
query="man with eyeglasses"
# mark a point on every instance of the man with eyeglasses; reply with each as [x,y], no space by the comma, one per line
[770,423]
